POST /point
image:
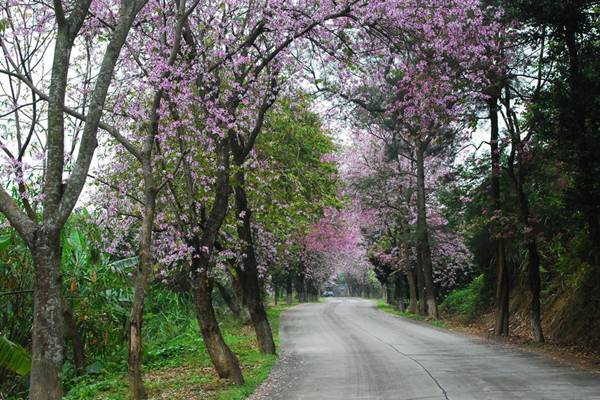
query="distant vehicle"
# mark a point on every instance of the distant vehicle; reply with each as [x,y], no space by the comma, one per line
[328,293]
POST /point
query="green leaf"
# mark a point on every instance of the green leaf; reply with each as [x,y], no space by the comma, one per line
[5,241]
[76,243]
[13,357]
[124,264]
[94,368]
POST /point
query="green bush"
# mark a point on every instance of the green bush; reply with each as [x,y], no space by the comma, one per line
[463,304]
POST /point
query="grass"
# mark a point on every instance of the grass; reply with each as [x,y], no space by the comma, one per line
[178,367]
[383,306]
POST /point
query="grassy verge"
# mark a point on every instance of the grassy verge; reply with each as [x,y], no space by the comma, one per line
[177,366]
[383,306]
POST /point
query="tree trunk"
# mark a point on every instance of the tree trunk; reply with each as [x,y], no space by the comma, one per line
[262,328]
[232,304]
[518,179]
[423,234]
[384,293]
[594,231]
[533,264]
[136,320]
[411,279]
[397,290]
[48,320]
[74,336]
[275,293]
[225,362]
[535,287]
[300,292]
[502,273]
[502,292]
[304,290]
[248,275]
[142,276]
[401,292]
[289,291]
[240,300]
[420,283]
[412,288]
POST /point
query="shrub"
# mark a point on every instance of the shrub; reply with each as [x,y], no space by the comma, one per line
[463,304]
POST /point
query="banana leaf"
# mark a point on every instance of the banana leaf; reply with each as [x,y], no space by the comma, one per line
[13,357]
[124,264]
[5,241]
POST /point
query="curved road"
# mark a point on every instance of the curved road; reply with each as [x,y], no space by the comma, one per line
[346,349]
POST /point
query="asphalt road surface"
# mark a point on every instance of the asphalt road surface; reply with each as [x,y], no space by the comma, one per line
[346,349]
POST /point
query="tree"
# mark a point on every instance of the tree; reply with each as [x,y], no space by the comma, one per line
[58,197]
[419,71]
[158,68]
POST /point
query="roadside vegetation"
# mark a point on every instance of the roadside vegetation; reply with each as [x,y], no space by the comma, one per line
[176,364]
[390,309]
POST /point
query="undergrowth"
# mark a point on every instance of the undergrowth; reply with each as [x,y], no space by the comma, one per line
[176,364]
[464,304]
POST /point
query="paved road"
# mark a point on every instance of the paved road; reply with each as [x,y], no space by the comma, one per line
[346,349]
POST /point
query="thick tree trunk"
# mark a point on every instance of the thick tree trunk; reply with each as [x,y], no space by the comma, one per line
[262,328]
[248,272]
[74,336]
[502,272]
[223,359]
[48,319]
[423,234]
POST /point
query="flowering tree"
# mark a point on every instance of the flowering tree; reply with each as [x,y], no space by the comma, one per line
[418,73]
[43,188]
[152,71]
[235,83]
[386,189]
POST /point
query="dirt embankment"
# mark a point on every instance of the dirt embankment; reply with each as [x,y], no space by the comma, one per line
[571,322]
